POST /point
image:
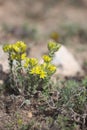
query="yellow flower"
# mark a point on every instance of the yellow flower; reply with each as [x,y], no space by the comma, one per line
[23,56]
[21,47]
[39,71]
[16,48]
[30,62]
[10,47]
[7,47]
[36,70]
[53,46]
[51,68]
[33,61]
[46,58]
[18,57]
[43,74]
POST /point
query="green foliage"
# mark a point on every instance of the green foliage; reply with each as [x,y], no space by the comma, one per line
[73,95]
[65,107]
[72,104]
[64,123]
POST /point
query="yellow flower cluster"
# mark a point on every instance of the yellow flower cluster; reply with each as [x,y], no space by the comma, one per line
[15,56]
[16,50]
[51,68]
[19,47]
[30,62]
[38,70]
[7,47]
[33,61]
[47,58]
[44,70]
[53,46]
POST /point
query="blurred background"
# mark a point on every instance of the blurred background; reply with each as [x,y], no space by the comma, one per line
[37,21]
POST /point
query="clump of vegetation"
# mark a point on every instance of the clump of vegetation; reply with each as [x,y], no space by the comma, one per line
[27,74]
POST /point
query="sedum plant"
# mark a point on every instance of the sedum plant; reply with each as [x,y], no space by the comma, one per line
[27,75]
